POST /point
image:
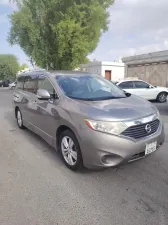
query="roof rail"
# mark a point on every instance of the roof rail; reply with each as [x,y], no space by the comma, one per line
[31,70]
[38,70]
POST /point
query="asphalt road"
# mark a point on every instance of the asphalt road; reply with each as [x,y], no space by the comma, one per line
[37,189]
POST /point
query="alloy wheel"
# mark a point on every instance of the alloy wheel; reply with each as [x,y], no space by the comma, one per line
[19,118]
[162,97]
[69,150]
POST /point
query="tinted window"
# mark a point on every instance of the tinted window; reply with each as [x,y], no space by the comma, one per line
[20,83]
[30,84]
[44,83]
[126,85]
[140,84]
[89,88]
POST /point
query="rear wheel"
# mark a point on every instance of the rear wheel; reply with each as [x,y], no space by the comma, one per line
[19,119]
[70,150]
[162,97]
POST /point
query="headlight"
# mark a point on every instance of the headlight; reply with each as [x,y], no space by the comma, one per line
[107,127]
[158,113]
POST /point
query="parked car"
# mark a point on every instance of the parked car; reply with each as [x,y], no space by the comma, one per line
[144,90]
[12,85]
[87,118]
[4,83]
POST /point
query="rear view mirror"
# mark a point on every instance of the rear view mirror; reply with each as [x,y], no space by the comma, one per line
[43,94]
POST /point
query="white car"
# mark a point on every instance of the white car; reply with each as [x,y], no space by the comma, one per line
[144,90]
[12,85]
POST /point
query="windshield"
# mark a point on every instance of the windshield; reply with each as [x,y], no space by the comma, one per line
[89,88]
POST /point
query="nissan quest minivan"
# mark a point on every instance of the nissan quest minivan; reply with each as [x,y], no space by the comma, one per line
[91,121]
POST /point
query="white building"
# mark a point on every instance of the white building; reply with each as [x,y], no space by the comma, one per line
[111,70]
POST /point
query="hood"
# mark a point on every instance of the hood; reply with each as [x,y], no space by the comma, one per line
[121,109]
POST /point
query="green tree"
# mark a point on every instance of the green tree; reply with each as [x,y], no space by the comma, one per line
[23,66]
[9,66]
[59,34]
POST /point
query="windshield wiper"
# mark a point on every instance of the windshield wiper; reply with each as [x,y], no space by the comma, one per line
[83,99]
[110,97]
[97,99]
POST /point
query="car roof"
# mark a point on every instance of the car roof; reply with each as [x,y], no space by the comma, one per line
[57,73]
[69,73]
[126,80]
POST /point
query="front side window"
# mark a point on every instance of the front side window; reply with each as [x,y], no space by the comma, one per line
[44,83]
[20,83]
[126,85]
[30,84]
[89,88]
[140,84]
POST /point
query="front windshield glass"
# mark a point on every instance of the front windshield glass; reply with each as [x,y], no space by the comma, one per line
[89,88]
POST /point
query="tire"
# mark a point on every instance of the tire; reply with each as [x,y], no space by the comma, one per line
[19,119]
[71,156]
[162,97]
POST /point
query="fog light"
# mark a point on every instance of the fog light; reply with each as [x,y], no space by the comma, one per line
[111,160]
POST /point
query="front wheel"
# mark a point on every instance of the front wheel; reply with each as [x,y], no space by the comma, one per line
[162,97]
[70,150]
[19,119]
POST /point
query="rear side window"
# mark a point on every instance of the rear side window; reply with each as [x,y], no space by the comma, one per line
[44,83]
[20,83]
[30,84]
[126,85]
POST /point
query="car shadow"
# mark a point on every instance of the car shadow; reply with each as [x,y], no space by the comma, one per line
[39,143]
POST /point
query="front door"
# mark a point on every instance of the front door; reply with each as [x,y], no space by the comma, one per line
[47,115]
[108,74]
[143,90]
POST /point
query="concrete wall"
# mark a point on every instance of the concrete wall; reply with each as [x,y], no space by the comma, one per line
[154,74]
[94,67]
[152,57]
[118,69]
[151,67]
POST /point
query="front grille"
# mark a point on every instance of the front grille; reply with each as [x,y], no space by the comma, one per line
[139,131]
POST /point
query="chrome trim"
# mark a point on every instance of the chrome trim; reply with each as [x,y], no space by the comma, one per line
[139,139]
[140,121]
[133,160]
[148,128]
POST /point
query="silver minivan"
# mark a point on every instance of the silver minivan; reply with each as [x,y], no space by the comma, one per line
[88,119]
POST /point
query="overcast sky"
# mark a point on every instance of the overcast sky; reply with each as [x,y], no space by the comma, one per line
[136,27]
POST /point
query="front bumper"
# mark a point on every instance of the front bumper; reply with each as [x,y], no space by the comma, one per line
[105,150]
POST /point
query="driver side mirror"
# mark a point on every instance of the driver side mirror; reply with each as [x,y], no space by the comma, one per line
[127,93]
[150,86]
[43,94]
